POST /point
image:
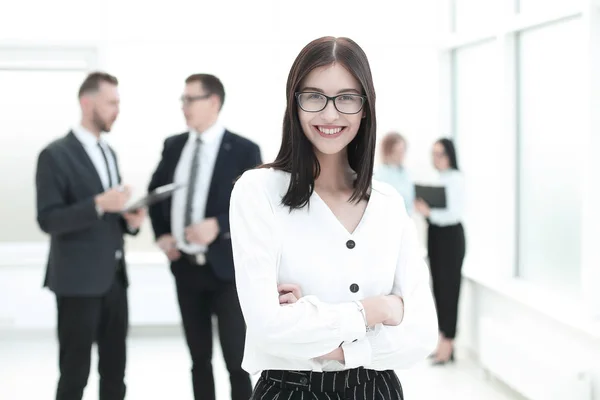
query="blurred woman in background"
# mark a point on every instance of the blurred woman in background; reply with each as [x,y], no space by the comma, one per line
[446,246]
[392,171]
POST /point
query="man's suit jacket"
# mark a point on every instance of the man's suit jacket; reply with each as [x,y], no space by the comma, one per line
[236,155]
[83,245]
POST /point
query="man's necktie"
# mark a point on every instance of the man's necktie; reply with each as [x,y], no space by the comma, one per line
[110,182]
[191,189]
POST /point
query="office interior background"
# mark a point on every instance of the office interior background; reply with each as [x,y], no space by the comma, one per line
[516,83]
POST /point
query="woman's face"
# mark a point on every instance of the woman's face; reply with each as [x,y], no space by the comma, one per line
[397,153]
[440,159]
[330,130]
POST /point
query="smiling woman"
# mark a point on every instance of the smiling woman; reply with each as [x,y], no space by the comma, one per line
[330,102]
[333,289]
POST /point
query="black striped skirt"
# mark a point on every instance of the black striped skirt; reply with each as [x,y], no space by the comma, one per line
[355,384]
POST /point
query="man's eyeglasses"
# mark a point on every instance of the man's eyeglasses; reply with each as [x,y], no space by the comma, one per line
[187,100]
[344,103]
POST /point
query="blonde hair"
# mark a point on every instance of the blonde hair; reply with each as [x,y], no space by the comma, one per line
[389,141]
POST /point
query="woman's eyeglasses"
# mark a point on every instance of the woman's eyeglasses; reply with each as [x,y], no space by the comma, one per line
[344,103]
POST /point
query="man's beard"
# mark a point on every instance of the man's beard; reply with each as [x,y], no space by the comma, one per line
[99,123]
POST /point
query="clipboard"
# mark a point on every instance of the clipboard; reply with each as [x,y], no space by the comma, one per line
[434,196]
[157,195]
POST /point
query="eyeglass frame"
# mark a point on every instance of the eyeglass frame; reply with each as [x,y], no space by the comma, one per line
[332,98]
[187,100]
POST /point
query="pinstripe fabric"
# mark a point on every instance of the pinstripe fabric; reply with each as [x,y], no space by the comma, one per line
[352,384]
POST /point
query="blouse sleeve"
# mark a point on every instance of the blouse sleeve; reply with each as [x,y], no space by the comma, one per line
[304,330]
[395,347]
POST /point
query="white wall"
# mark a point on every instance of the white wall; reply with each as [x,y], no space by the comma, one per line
[26,307]
[530,340]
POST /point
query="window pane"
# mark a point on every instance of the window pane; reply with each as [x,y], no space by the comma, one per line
[551,97]
[485,156]
[537,6]
[479,15]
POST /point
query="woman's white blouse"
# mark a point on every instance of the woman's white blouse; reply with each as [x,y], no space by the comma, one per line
[334,268]
[454,183]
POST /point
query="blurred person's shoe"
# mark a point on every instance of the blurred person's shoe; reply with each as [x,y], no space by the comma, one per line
[439,362]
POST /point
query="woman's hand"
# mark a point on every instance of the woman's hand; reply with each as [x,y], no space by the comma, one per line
[386,310]
[289,293]
[336,355]
[396,307]
[422,207]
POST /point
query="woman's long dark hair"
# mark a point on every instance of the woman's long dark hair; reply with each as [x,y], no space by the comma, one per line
[450,151]
[296,154]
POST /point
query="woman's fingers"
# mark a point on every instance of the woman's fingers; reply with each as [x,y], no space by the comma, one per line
[290,288]
[287,298]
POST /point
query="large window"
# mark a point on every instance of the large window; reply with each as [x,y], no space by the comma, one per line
[519,100]
[551,136]
[484,152]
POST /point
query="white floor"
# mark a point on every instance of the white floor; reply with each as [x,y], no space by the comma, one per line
[158,368]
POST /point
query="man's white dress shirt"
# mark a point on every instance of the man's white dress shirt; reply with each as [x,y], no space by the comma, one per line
[90,144]
[209,149]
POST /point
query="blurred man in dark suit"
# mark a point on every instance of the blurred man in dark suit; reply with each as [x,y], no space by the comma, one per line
[193,231]
[79,203]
